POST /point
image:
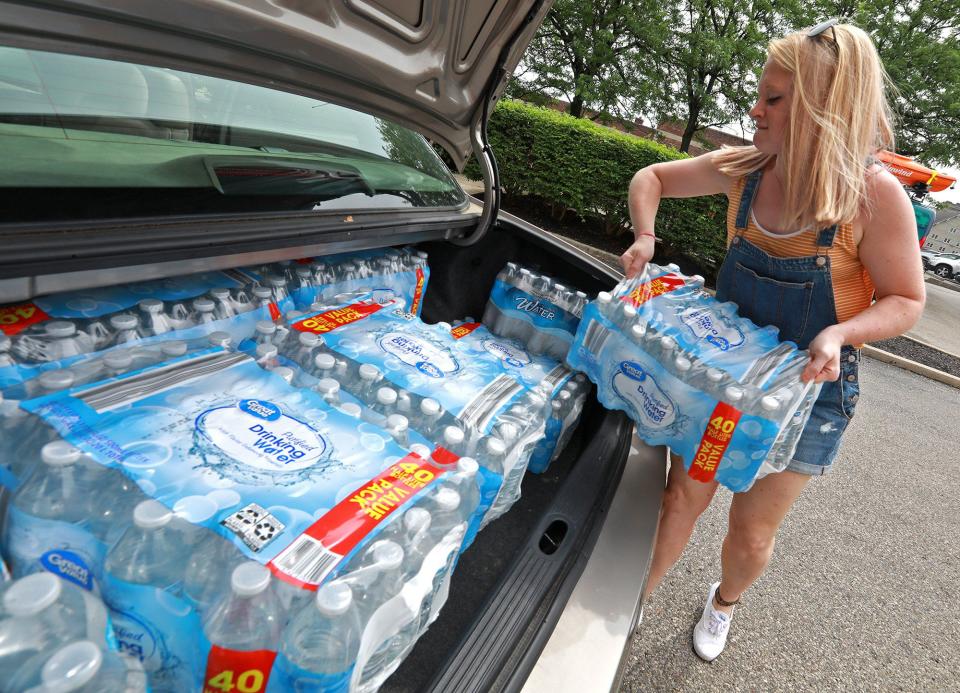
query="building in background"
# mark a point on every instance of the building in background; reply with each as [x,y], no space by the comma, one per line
[944,237]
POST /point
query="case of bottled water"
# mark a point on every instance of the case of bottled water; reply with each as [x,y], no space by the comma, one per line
[722,392]
[226,495]
[564,390]
[54,331]
[461,399]
[535,309]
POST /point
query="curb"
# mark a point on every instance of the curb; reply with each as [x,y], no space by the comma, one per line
[931,278]
[929,345]
[912,366]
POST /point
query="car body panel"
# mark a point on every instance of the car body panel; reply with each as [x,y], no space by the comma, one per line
[429,65]
[602,612]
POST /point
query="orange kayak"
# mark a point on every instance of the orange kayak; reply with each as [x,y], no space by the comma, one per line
[911,173]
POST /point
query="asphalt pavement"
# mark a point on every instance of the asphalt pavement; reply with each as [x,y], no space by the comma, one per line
[862,592]
[939,326]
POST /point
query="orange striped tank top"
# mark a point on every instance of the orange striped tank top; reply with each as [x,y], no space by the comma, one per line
[852,287]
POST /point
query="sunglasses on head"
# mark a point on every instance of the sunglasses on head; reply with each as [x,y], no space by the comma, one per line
[820,28]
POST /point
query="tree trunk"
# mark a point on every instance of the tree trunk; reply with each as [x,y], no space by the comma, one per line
[688,133]
[576,106]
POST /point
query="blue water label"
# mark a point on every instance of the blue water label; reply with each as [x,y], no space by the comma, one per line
[287,676]
[159,629]
[62,548]
[537,310]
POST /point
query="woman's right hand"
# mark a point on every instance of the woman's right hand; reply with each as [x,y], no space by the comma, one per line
[637,256]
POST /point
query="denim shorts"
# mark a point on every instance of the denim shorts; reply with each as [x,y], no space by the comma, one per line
[833,410]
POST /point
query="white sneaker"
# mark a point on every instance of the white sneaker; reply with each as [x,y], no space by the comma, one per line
[710,634]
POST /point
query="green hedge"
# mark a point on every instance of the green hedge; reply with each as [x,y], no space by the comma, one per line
[575,165]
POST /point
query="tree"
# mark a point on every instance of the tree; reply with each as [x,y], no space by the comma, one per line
[712,58]
[587,51]
[919,43]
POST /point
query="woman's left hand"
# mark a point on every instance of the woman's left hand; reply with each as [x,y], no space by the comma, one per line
[824,362]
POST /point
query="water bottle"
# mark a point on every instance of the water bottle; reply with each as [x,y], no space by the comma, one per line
[266,356]
[179,316]
[64,341]
[142,575]
[219,339]
[324,365]
[319,646]
[286,373]
[40,613]
[110,510]
[205,311]
[431,414]
[278,288]
[262,297]
[45,520]
[153,320]
[398,427]
[125,327]
[248,618]
[386,402]
[303,351]
[453,440]
[264,332]
[206,576]
[83,666]
[369,376]
[386,558]
[304,276]
[329,389]
[224,306]
[117,362]
[467,483]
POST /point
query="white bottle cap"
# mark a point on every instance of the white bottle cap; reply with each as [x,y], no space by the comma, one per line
[71,667]
[564,395]
[328,386]
[452,435]
[303,270]
[387,554]
[604,297]
[309,339]
[30,595]
[422,450]
[508,430]
[61,328]
[398,422]
[118,360]
[249,579]
[386,396]
[667,343]
[683,364]
[59,453]
[714,375]
[555,405]
[334,598]
[468,466]
[262,292]
[447,498]
[351,409]
[277,281]
[283,372]
[220,339]
[266,351]
[369,372]
[495,446]
[629,311]
[430,406]
[151,514]
[769,403]
[204,305]
[124,321]
[674,267]
[697,279]
[151,305]
[59,379]
[324,362]
[174,348]
[445,326]
[221,292]
[265,327]
[733,393]
[416,519]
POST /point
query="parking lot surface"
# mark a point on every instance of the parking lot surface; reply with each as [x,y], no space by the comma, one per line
[862,591]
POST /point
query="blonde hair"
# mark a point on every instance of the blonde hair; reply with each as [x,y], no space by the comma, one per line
[839,118]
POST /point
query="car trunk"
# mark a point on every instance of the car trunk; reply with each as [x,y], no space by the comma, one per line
[510,586]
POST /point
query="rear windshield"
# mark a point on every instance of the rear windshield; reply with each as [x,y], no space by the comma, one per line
[85,138]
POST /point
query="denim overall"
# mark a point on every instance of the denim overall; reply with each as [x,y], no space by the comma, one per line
[796,295]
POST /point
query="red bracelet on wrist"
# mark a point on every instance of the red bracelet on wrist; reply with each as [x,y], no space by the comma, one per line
[646,233]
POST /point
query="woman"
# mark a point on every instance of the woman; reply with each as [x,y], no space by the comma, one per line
[814,228]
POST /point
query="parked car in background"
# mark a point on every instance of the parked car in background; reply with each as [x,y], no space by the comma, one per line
[944,265]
